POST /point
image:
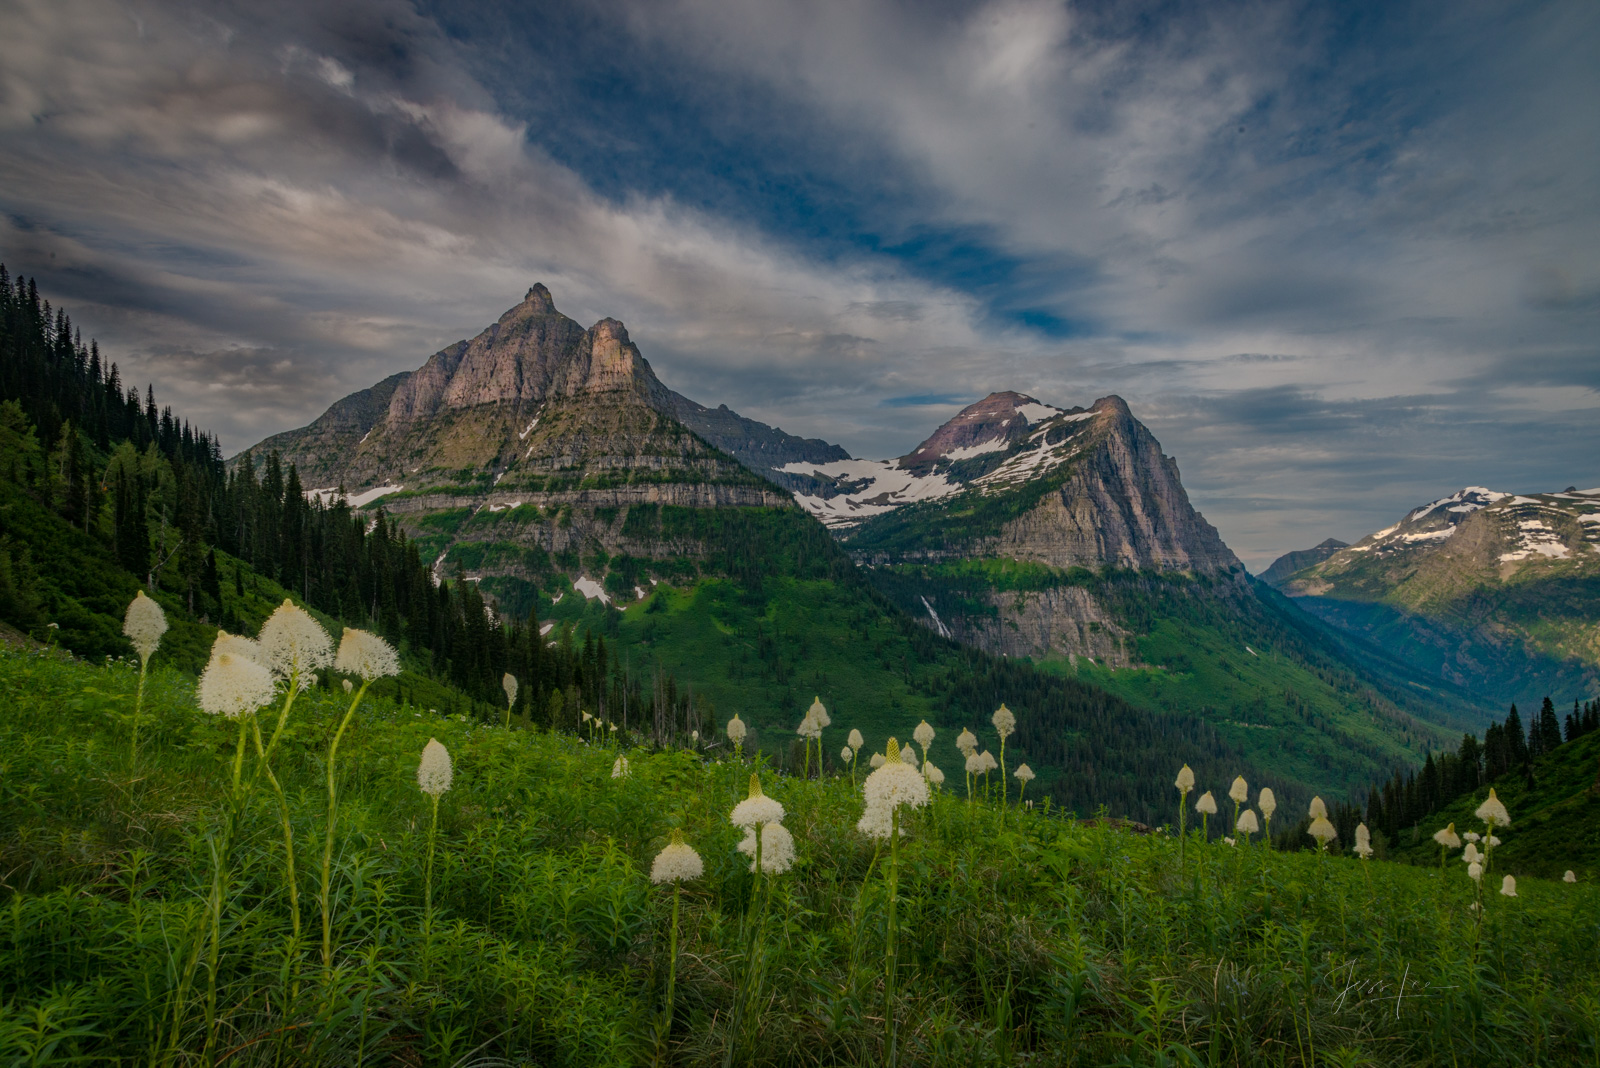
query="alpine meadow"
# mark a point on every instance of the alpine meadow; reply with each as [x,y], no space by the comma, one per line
[887,647]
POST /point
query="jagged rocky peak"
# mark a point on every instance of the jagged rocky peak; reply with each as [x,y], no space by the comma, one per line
[532,352]
[993,424]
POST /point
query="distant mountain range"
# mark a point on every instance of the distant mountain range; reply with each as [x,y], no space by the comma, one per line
[549,463]
[1495,592]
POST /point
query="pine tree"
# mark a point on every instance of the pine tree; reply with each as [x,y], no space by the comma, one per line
[1549,727]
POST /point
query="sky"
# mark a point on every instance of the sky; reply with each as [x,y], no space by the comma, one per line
[1341,259]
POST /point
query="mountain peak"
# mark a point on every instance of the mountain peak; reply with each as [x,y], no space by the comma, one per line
[539,300]
[990,425]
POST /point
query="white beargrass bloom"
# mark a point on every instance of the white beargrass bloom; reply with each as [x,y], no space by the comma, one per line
[1472,836]
[348,685]
[847,754]
[967,742]
[235,645]
[856,741]
[896,783]
[989,762]
[777,848]
[1023,773]
[434,773]
[1493,812]
[1569,877]
[294,643]
[810,729]
[508,683]
[1268,803]
[232,685]
[619,768]
[1493,841]
[1206,804]
[877,821]
[1447,837]
[1185,780]
[736,729]
[931,772]
[143,625]
[1508,886]
[677,862]
[1322,830]
[756,809]
[1470,854]
[1240,790]
[974,764]
[1475,871]
[1004,722]
[1229,841]
[909,755]
[877,760]
[365,654]
[1363,848]
[1317,811]
[1247,822]
[923,735]
[819,714]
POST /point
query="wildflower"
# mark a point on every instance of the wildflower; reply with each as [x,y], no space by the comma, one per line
[1229,841]
[1317,811]
[236,645]
[143,624]
[1475,871]
[1363,848]
[1493,841]
[434,772]
[1447,837]
[896,782]
[365,654]
[619,768]
[694,736]
[1493,812]
[1471,836]
[1471,854]
[677,862]
[967,742]
[931,772]
[1508,886]
[1207,805]
[1268,804]
[736,733]
[1239,791]
[975,764]
[856,741]
[809,728]
[756,809]
[777,848]
[294,644]
[846,755]
[1185,780]
[1005,723]
[988,761]
[348,685]
[923,736]
[1023,774]
[1569,877]
[1323,831]
[876,761]
[909,755]
[1185,783]
[1247,824]
[508,683]
[232,685]
[819,714]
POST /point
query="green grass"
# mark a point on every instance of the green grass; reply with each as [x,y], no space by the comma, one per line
[1025,938]
[1555,819]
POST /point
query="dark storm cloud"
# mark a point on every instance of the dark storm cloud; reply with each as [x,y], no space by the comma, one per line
[1341,258]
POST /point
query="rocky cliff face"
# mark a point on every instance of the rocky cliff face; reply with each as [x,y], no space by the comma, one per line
[1290,562]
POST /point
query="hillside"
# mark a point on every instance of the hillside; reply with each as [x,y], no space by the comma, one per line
[1495,592]
[1019,936]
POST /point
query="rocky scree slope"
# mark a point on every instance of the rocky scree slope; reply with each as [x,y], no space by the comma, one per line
[1495,591]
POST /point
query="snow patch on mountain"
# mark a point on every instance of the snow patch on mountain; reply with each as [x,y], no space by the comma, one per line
[326,497]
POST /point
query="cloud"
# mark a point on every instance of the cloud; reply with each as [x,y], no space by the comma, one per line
[1339,261]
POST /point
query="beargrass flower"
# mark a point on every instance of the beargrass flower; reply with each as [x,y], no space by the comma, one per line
[777,848]
[232,685]
[1323,831]
[931,772]
[366,655]
[1317,810]
[1363,847]
[975,764]
[1005,723]
[757,809]
[1508,886]
[1239,791]
[1228,841]
[967,742]
[144,623]
[237,646]
[677,862]
[1470,854]
[819,714]
[1207,805]
[1268,803]
[876,761]
[1493,841]
[1493,812]
[1569,877]
[846,755]
[1447,837]
[896,782]
[857,742]
[923,736]
[294,644]
[619,768]
[1185,780]
[434,773]
[1471,836]
[348,685]
[1475,871]
[1185,783]
[1247,823]
[736,733]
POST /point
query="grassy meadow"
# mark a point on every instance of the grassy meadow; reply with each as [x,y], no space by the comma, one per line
[1023,937]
